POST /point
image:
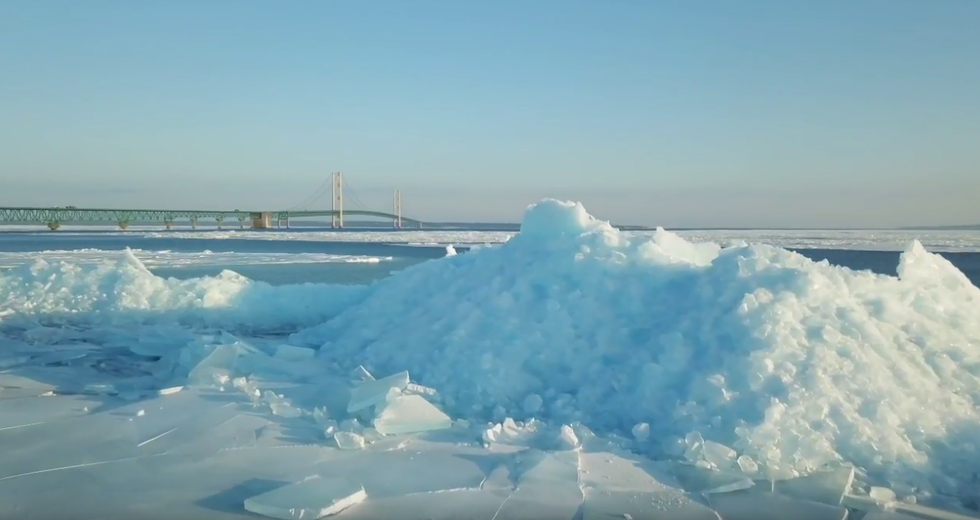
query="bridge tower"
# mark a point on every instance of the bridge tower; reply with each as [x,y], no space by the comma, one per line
[397,209]
[337,220]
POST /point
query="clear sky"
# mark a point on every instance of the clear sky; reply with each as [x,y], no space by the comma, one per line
[673,112]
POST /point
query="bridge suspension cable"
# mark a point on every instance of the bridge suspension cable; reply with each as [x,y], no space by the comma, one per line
[358,203]
[318,194]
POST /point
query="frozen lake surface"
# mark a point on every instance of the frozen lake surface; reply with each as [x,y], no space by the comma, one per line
[571,371]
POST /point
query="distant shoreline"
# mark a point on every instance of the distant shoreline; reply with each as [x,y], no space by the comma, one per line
[964,227]
[475,226]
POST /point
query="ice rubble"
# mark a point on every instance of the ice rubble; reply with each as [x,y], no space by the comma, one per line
[374,391]
[793,364]
[748,363]
[125,290]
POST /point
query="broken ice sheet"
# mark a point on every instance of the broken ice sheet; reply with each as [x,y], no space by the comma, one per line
[429,393]
[899,510]
[349,440]
[100,389]
[753,505]
[889,515]
[567,439]
[546,486]
[747,465]
[170,390]
[509,432]
[360,375]
[216,368]
[313,498]
[330,427]
[291,353]
[739,485]
[882,495]
[621,484]
[719,455]
[321,415]
[281,406]
[9,362]
[163,368]
[59,357]
[693,446]
[825,487]
[374,392]
[697,479]
[410,414]
[641,432]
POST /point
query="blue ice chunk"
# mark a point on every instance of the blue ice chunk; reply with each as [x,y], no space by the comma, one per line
[410,414]
[372,393]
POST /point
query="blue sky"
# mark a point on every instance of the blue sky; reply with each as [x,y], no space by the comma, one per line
[675,112]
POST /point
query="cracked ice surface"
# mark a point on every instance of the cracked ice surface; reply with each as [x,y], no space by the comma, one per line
[221,450]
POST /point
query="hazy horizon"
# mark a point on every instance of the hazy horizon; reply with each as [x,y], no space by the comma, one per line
[721,114]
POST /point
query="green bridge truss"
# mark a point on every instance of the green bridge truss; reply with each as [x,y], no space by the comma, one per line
[52,217]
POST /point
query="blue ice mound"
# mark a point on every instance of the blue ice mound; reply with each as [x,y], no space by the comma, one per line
[555,219]
[794,363]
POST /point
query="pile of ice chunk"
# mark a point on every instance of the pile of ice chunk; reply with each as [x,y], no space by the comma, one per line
[125,291]
[750,357]
[396,408]
[391,405]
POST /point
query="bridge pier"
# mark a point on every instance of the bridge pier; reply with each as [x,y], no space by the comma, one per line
[262,220]
[123,225]
[193,222]
[54,225]
[168,224]
[220,220]
[241,222]
[283,222]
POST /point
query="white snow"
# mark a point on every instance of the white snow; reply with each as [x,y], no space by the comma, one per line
[574,371]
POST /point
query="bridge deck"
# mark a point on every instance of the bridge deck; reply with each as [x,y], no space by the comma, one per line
[69,215]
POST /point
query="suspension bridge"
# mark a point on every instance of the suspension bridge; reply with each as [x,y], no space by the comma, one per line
[55,217]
